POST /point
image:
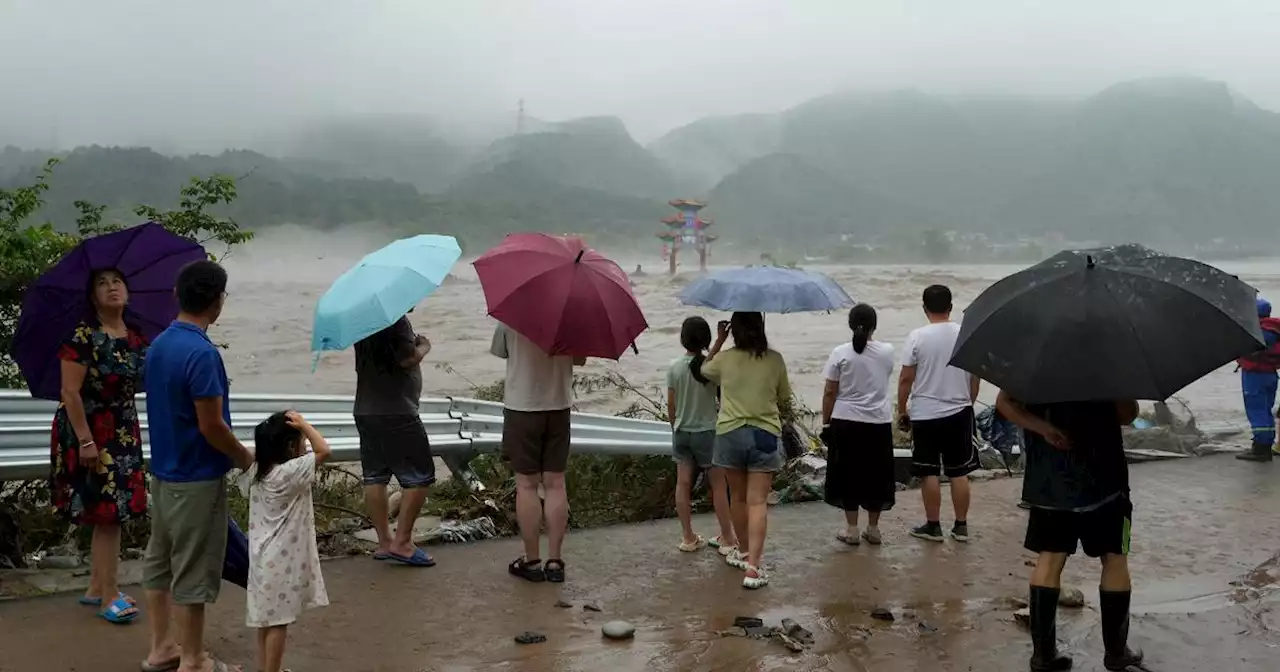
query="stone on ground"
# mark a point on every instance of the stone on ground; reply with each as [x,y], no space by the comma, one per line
[618,630]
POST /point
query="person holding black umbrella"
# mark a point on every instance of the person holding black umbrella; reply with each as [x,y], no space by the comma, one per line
[1071,342]
[1077,485]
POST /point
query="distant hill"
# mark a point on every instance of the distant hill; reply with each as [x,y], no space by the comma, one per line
[1156,160]
[1172,159]
[705,151]
[593,153]
[1162,159]
[270,191]
[538,201]
[392,147]
[816,202]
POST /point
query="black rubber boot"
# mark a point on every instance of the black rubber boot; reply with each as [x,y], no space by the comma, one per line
[1115,631]
[1044,631]
[1258,453]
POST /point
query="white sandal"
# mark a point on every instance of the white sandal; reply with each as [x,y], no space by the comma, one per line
[697,545]
[755,578]
[721,547]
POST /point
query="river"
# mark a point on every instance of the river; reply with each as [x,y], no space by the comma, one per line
[276,280]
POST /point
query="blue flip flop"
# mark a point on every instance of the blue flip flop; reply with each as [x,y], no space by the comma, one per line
[97,601]
[418,559]
[379,555]
[114,613]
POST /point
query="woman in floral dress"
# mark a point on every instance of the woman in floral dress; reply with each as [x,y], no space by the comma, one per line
[98,478]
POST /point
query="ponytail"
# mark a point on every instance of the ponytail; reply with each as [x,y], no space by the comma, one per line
[695,336]
[862,322]
[695,368]
[860,337]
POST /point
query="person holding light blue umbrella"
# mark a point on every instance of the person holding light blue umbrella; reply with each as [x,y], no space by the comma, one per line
[368,307]
[380,289]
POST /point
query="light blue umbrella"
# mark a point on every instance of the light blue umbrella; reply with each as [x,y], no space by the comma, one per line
[380,289]
[766,289]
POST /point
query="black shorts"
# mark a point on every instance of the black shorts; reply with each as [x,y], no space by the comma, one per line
[1102,531]
[860,466]
[944,446]
[395,445]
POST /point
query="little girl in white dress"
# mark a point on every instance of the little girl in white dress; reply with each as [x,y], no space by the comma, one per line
[284,564]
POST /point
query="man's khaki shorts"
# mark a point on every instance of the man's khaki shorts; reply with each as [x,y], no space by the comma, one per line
[188,540]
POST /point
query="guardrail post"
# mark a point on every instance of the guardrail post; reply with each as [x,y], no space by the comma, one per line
[460,467]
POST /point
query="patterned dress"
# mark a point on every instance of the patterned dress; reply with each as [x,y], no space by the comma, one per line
[284,562]
[115,489]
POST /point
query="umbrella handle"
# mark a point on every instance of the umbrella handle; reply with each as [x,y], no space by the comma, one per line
[634,348]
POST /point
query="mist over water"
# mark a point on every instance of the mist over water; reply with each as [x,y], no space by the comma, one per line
[277,279]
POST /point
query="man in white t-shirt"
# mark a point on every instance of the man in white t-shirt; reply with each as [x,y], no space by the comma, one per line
[935,400]
[537,394]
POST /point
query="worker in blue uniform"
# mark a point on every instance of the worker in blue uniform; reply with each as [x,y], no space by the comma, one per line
[1258,381]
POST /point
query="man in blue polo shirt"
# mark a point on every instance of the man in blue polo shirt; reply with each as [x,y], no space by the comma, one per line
[192,449]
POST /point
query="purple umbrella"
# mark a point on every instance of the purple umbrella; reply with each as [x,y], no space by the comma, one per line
[147,256]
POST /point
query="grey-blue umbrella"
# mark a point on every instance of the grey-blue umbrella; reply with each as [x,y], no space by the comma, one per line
[766,289]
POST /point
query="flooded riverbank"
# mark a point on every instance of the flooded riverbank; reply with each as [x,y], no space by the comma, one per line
[276,281]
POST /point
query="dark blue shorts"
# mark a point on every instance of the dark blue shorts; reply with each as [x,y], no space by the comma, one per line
[395,445]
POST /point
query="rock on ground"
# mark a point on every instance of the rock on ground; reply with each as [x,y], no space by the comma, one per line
[618,630]
[1072,598]
[882,614]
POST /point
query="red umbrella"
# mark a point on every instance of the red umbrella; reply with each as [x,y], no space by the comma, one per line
[560,294]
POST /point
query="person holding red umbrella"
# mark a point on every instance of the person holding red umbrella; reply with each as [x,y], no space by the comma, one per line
[558,303]
[537,395]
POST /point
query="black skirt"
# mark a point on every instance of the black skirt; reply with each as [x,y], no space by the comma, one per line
[860,471]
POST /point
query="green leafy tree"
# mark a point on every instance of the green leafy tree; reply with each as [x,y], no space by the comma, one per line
[192,219]
[27,251]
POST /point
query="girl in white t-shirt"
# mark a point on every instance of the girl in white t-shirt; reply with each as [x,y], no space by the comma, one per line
[284,563]
[857,427]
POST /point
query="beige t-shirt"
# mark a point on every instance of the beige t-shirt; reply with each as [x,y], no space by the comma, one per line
[535,380]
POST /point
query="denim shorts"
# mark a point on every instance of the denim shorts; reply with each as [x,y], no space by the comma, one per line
[694,447]
[748,448]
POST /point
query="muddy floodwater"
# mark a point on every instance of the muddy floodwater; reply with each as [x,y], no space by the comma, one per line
[1205,542]
[276,281]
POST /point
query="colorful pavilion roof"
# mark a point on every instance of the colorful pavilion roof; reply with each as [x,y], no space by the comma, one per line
[677,220]
[686,204]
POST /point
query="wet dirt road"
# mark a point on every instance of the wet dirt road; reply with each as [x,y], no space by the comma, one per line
[1206,536]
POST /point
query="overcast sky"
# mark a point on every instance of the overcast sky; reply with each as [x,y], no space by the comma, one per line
[204,72]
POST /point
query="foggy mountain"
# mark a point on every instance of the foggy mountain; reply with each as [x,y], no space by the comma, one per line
[1147,160]
[593,153]
[1174,158]
[703,152]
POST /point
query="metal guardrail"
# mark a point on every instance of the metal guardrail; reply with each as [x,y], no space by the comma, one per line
[459,429]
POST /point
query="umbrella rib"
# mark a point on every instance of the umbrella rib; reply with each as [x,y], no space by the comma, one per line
[1128,320]
[158,259]
[135,232]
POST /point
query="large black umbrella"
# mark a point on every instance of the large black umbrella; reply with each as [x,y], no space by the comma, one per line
[1113,323]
